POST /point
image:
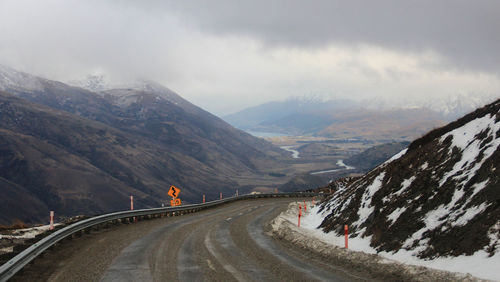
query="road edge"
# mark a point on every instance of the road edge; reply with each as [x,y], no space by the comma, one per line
[283,229]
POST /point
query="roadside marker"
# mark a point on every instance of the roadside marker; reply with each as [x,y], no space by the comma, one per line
[313,201]
[236,192]
[131,203]
[346,236]
[175,202]
[174,193]
[300,214]
[221,195]
[51,220]
[203,198]
[305,206]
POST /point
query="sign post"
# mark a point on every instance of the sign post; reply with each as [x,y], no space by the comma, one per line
[174,193]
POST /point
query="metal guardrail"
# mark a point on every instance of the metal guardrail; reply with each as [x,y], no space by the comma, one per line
[14,265]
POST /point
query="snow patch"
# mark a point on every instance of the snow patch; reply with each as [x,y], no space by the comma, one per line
[365,207]
[424,166]
[469,214]
[26,233]
[395,157]
[471,148]
[404,185]
[395,214]
[480,264]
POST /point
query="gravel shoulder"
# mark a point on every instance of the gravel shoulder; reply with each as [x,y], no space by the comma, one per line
[368,264]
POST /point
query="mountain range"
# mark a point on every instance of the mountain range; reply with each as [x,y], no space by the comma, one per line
[343,118]
[76,151]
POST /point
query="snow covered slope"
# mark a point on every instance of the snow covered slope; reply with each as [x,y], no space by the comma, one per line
[438,198]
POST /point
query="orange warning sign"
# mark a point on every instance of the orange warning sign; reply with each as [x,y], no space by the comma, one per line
[174,192]
[175,202]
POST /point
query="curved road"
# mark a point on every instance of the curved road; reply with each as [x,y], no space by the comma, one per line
[229,243]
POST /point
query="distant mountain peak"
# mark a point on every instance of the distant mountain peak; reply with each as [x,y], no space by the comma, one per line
[92,82]
[11,80]
[144,90]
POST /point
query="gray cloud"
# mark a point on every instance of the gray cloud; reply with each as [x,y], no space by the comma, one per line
[248,52]
[466,33]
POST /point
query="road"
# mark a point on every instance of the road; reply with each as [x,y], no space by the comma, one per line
[229,243]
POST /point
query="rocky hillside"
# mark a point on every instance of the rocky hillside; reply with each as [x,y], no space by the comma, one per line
[80,152]
[375,155]
[439,197]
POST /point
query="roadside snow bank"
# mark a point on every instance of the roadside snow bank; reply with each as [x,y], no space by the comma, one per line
[398,266]
[26,233]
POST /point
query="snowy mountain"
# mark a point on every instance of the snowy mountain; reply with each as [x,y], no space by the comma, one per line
[93,82]
[84,152]
[450,107]
[438,198]
[296,114]
[12,80]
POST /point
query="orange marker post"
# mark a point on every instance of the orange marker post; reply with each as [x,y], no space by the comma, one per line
[300,214]
[346,236]
[203,198]
[305,207]
[131,203]
[220,195]
[51,220]
[313,201]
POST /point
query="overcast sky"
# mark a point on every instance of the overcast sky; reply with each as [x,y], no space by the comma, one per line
[226,55]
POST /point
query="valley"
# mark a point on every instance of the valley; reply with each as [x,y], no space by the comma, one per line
[249,140]
[77,151]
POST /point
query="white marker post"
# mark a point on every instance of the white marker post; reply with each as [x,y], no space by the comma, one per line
[236,192]
[51,220]
[131,203]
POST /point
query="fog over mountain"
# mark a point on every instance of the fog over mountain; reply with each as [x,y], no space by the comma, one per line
[227,56]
